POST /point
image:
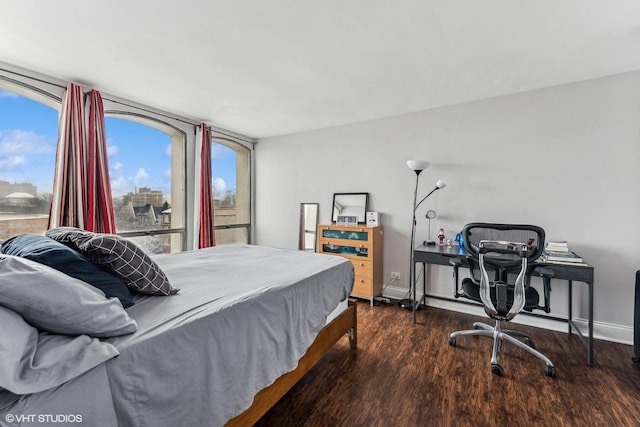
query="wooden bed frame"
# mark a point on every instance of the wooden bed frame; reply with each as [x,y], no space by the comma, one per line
[345,323]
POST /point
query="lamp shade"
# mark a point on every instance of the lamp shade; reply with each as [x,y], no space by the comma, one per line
[417,165]
[440,184]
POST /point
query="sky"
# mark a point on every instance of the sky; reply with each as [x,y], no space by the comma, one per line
[138,155]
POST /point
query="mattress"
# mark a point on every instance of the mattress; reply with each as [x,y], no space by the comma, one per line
[243,317]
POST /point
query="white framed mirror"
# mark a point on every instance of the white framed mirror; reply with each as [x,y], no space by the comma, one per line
[308,230]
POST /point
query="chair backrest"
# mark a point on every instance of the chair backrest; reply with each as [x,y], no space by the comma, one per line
[532,235]
[503,249]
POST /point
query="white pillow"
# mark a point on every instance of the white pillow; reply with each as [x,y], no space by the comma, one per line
[35,361]
[54,302]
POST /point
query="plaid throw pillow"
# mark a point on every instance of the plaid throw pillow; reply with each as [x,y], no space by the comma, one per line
[125,260]
[69,236]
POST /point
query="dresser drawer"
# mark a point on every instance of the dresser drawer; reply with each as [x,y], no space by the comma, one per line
[362,286]
[344,248]
[361,267]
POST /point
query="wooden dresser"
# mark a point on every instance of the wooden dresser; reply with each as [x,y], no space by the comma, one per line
[363,246]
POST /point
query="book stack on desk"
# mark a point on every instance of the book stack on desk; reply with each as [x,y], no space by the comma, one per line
[557,252]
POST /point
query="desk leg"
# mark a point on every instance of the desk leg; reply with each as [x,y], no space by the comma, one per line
[412,286]
[570,304]
[424,286]
[589,341]
[422,301]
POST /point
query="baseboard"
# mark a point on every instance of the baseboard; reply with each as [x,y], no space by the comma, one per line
[601,330]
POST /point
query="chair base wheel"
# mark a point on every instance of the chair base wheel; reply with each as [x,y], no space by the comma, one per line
[452,341]
[550,371]
[497,369]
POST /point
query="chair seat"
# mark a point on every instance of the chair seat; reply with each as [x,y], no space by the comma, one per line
[472,291]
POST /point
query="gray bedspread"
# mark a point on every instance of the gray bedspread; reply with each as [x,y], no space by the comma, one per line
[244,316]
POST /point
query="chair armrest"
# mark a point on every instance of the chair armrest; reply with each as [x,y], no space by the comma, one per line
[456,262]
[543,272]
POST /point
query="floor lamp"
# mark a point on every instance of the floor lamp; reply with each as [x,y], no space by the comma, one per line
[417,166]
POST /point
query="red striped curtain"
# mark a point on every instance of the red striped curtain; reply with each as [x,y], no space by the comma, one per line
[207,230]
[100,215]
[68,199]
[81,187]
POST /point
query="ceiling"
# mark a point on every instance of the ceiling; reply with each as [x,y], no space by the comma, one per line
[267,68]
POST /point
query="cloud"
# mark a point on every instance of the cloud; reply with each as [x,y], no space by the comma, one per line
[218,150]
[12,162]
[5,94]
[112,150]
[19,148]
[121,186]
[141,177]
[17,141]
[219,186]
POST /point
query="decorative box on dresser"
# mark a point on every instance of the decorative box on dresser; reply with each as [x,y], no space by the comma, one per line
[363,246]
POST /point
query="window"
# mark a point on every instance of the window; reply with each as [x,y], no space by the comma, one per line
[28,139]
[146,169]
[147,165]
[230,169]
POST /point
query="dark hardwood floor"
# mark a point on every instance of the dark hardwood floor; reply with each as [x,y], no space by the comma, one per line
[405,374]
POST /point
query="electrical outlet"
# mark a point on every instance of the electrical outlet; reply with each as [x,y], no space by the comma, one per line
[395,275]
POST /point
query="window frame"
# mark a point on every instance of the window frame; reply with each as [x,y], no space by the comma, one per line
[177,132]
[36,90]
[236,144]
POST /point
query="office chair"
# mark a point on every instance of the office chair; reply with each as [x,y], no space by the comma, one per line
[505,250]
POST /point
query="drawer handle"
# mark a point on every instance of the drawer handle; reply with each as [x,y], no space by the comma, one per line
[361,280]
[361,264]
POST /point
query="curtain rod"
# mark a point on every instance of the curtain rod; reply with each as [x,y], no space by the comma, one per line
[235,136]
[150,111]
[32,78]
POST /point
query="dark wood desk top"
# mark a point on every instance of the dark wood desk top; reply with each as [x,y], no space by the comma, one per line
[438,254]
[442,254]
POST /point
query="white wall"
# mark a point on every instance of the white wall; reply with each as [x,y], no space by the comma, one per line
[564,158]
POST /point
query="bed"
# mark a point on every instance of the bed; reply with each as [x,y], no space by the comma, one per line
[237,327]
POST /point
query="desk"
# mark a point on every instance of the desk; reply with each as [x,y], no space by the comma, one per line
[441,255]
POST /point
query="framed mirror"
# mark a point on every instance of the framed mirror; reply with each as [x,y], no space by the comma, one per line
[350,208]
[308,226]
